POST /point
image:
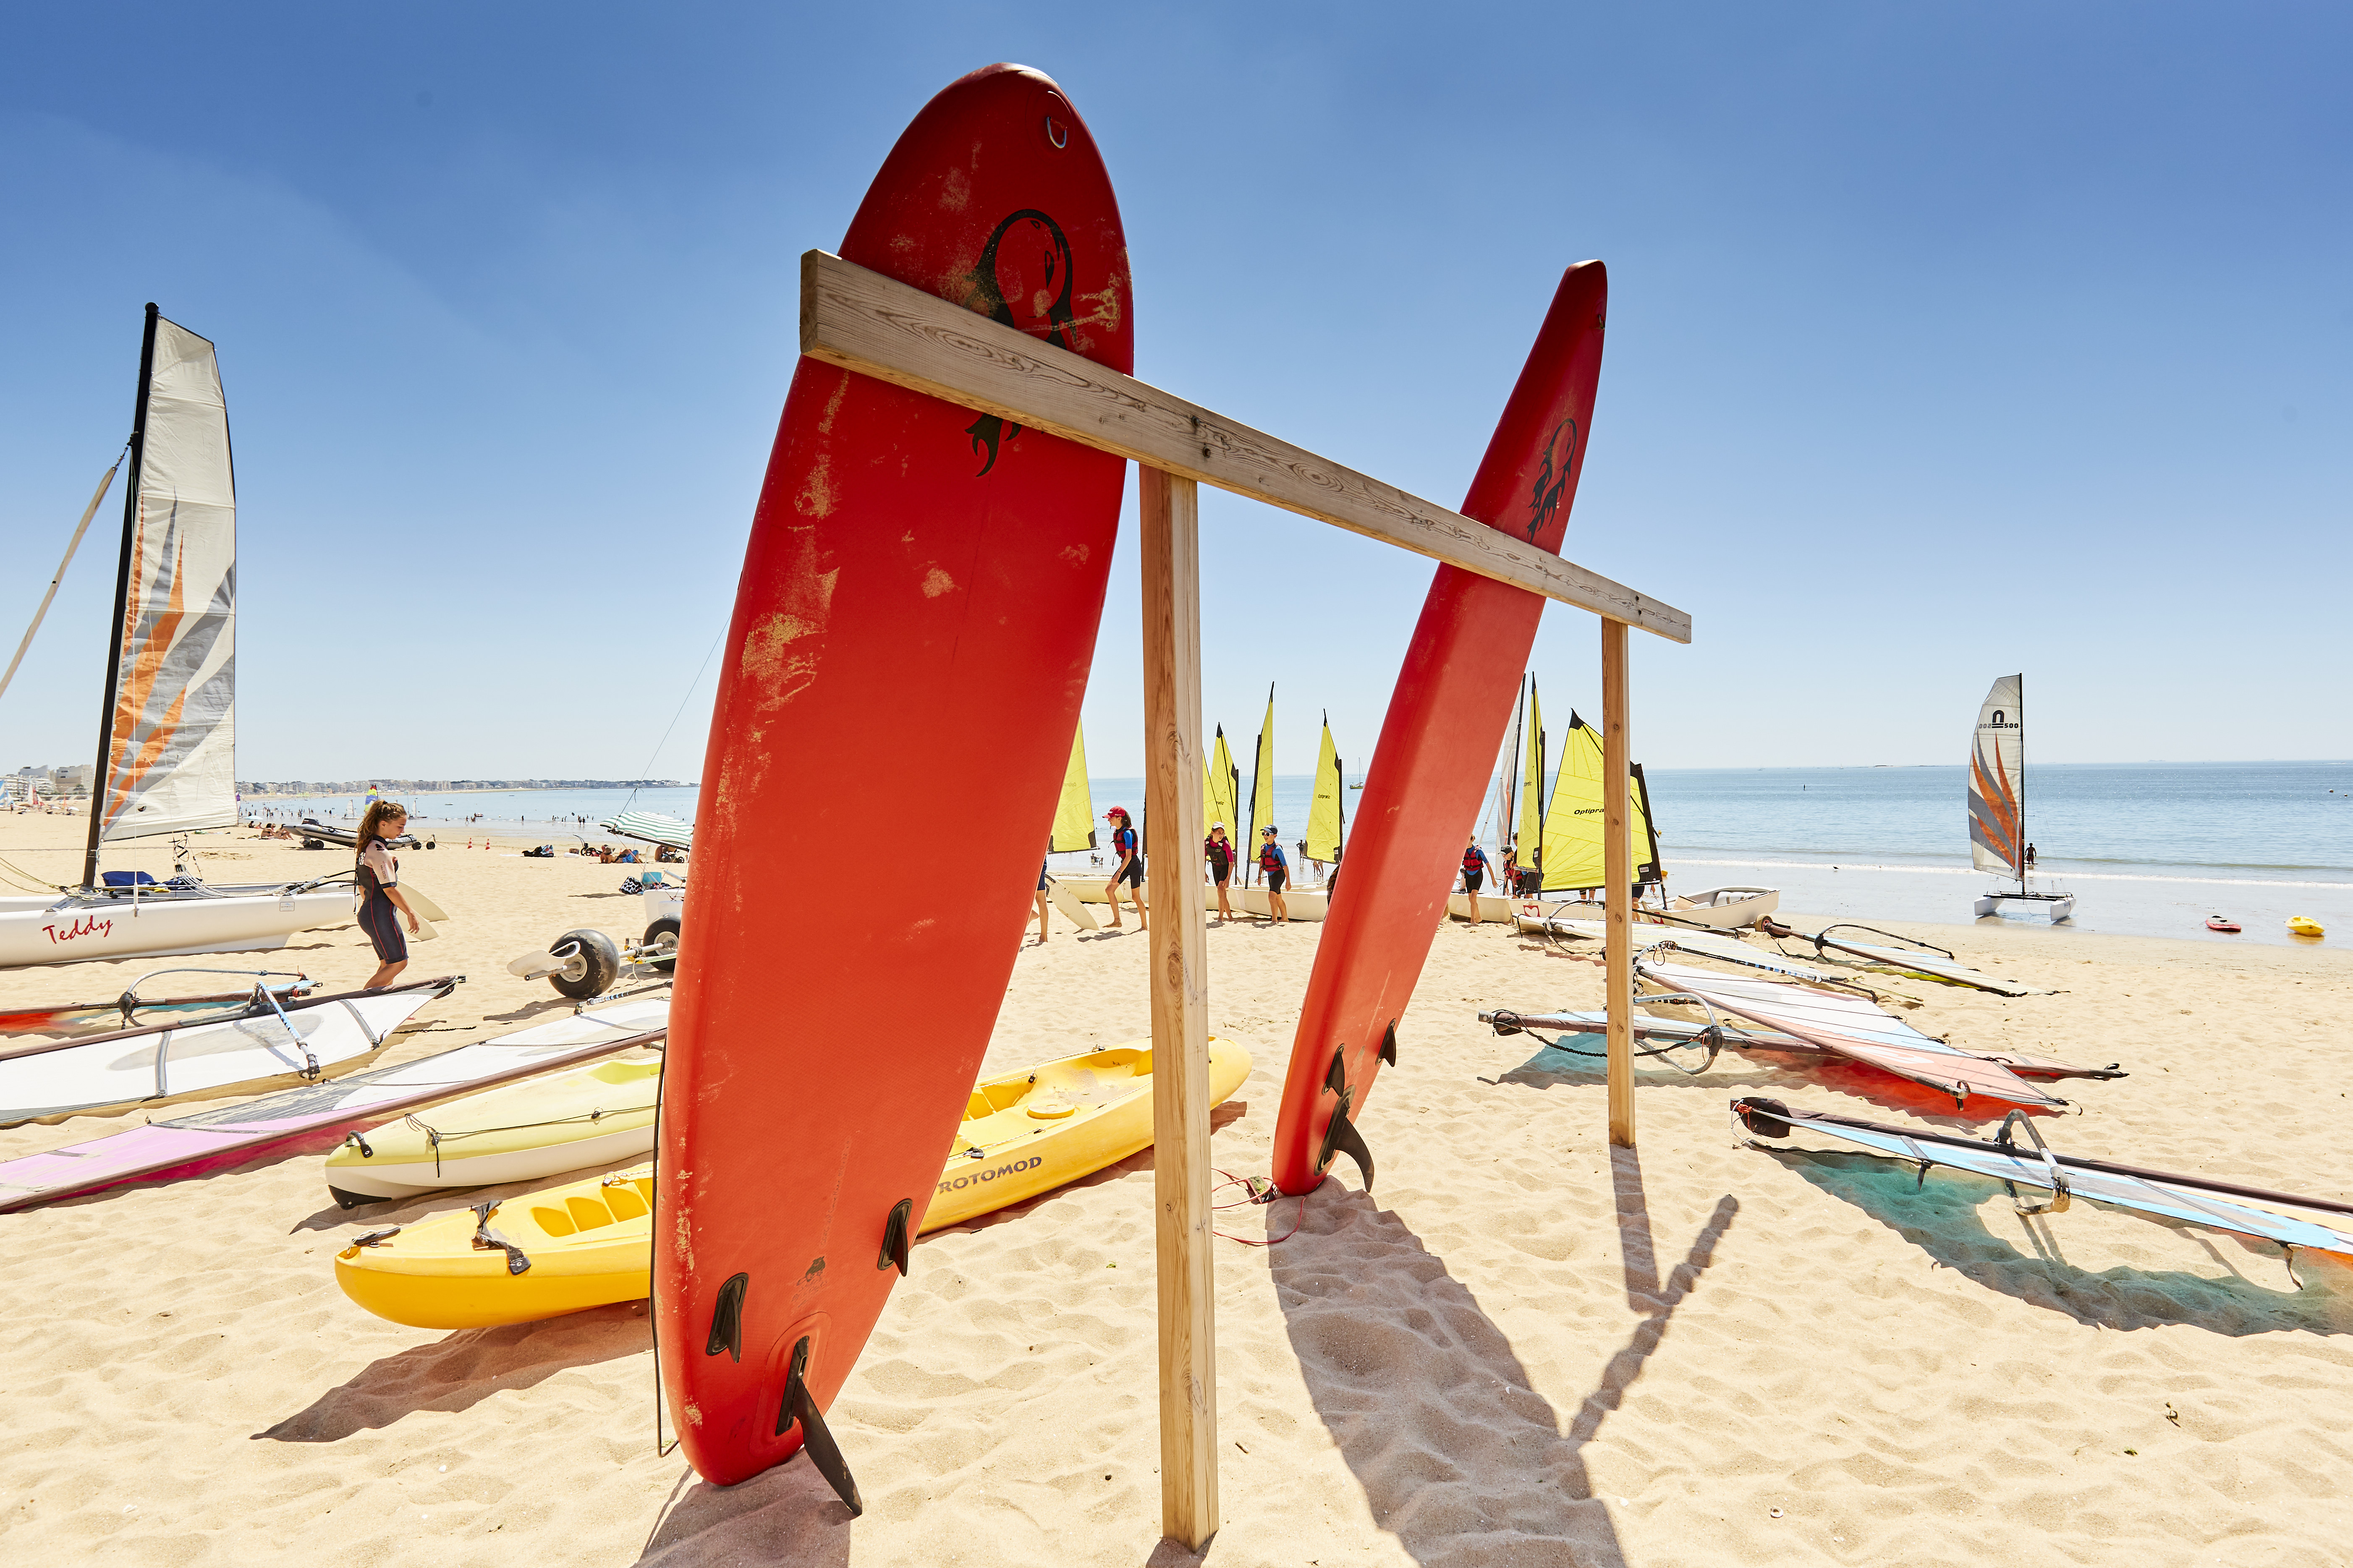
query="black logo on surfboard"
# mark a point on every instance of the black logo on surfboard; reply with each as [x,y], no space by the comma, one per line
[1552,480]
[1023,279]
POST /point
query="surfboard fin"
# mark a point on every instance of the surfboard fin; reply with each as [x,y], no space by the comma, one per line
[1388,1044]
[727,1318]
[895,1235]
[817,1442]
[1340,1134]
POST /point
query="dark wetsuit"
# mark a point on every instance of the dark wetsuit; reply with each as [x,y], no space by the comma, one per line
[379,916]
[1122,843]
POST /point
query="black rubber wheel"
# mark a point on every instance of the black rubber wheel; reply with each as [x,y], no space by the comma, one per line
[603,956]
[664,932]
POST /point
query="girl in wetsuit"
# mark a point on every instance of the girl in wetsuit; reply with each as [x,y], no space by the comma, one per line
[1130,874]
[382,907]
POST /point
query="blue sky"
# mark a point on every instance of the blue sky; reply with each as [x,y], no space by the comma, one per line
[1946,341]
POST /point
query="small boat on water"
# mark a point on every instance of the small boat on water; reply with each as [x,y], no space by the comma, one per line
[1998,841]
[2305,925]
[2216,922]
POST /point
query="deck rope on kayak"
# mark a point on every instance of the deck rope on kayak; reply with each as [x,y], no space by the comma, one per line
[437,1137]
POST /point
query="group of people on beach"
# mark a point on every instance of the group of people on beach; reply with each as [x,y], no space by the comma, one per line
[1221,854]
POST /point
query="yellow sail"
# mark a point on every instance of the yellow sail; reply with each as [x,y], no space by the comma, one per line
[1532,777]
[1262,800]
[1074,817]
[1221,789]
[1572,834]
[1324,822]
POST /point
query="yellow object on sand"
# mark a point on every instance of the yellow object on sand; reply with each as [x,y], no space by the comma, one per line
[2305,925]
[588,1243]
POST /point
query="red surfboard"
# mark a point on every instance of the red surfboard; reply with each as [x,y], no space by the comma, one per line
[1438,742]
[915,572]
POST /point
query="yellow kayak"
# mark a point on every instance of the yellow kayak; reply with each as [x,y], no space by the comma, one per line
[2305,925]
[597,1115]
[588,1243]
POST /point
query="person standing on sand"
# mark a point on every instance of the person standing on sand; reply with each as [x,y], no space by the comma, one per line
[381,905]
[1222,856]
[1042,880]
[1475,871]
[1277,872]
[1130,870]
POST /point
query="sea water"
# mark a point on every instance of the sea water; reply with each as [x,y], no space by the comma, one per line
[2148,849]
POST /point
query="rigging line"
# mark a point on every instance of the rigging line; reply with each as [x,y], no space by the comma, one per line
[73,544]
[648,771]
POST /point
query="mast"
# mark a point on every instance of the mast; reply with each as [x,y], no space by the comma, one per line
[1650,826]
[100,776]
[2021,780]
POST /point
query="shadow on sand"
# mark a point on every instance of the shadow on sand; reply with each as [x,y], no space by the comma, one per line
[466,1367]
[1460,1458]
[1945,1218]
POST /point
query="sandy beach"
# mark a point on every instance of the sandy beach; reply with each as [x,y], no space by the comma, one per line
[1521,1348]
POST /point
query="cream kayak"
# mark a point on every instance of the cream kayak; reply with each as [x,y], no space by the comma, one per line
[590,1116]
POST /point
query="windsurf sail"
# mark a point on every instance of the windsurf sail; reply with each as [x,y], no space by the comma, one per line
[1853,1028]
[167,751]
[1679,939]
[311,1116]
[1998,781]
[1531,781]
[650,826]
[1573,821]
[1074,814]
[1262,796]
[2191,1199]
[1929,965]
[1326,819]
[1221,788]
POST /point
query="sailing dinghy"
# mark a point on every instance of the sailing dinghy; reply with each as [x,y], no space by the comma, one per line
[268,1041]
[1998,840]
[2193,1200]
[167,730]
[316,1115]
[1851,1026]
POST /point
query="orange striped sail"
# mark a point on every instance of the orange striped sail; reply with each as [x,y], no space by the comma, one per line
[171,762]
[1998,781]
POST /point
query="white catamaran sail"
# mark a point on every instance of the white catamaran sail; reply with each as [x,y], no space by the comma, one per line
[167,737]
[1998,840]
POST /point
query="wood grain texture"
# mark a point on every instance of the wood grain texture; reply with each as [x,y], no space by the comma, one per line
[1618,867]
[863,321]
[1169,508]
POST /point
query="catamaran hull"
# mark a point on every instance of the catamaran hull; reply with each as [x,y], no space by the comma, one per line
[1479,907]
[1727,908]
[162,927]
[2061,907]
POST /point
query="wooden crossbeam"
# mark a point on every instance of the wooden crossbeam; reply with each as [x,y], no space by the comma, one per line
[861,321]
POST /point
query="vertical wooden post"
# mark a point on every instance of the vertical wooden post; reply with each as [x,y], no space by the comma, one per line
[1180,1034]
[1618,866]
